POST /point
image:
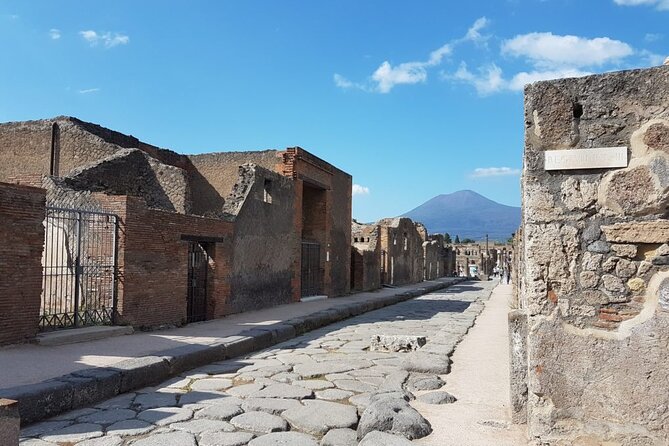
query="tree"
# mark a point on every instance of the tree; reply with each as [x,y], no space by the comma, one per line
[457,239]
[447,238]
[468,240]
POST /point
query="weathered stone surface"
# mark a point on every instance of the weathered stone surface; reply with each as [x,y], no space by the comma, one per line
[518,324]
[167,438]
[396,343]
[314,384]
[424,382]
[201,425]
[109,440]
[589,279]
[284,439]
[259,422]
[599,247]
[245,390]
[281,390]
[129,427]
[427,363]
[393,416]
[354,385]
[318,417]
[108,416]
[223,412]
[320,369]
[74,433]
[656,231]
[376,438]
[274,406]
[436,398]
[340,437]
[628,251]
[333,394]
[155,399]
[225,438]
[165,415]
[211,384]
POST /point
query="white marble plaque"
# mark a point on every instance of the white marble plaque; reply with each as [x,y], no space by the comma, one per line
[600,158]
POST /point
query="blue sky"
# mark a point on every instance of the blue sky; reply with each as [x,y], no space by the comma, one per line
[413,98]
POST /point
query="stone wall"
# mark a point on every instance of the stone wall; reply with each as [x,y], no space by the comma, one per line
[21,244]
[595,283]
[265,245]
[365,257]
[403,245]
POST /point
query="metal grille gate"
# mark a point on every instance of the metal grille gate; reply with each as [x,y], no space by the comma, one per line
[198,262]
[79,280]
[311,269]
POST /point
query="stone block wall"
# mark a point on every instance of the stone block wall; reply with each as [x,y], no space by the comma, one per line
[595,280]
[403,245]
[265,245]
[22,211]
[365,257]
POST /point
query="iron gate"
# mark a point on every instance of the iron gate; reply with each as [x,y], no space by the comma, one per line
[198,261]
[311,269]
[79,259]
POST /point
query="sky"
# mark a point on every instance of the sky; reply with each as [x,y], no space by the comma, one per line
[412,98]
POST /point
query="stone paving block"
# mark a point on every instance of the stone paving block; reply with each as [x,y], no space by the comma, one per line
[354,385]
[167,438]
[318,417]
[260,422]
[108,416]
[165,415]
[102,441]
[39,401]
[333,394]
[424,382]
[206,384]
[200,425]
[436,398]
[155,399]
[225,438]
[340,437]
[427,363]
[124,401]
[284,439]
[142,372]
[245,390]
[207,398]
[187,357]
[222,412]
[396,343]
[393,416]
[75,433]
[128,428]
[274,406]
[281,390]
[377,438]
[238,345]
[38,429]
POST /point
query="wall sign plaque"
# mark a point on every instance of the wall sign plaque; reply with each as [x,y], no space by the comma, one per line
[600,158]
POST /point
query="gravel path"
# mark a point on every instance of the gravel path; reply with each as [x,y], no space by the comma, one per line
[323,388]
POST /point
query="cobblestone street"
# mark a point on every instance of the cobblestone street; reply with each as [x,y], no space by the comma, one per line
[326,387]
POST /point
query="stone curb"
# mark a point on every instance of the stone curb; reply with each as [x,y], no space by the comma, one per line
[89,386]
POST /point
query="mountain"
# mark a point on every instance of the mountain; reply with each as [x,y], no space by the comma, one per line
[467,214]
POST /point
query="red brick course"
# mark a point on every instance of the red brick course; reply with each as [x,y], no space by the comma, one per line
[21,246]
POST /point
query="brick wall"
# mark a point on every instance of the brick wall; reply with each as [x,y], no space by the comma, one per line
[21,244]
[153,262]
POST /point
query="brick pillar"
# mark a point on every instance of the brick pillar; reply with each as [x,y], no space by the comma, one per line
[9,422]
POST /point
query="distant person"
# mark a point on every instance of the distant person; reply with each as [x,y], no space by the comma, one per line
[508,276]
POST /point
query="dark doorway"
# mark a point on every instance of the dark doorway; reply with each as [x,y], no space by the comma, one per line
[311,269]
[198,263]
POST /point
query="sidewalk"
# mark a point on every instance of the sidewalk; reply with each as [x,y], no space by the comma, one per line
[480,380]
[50,380]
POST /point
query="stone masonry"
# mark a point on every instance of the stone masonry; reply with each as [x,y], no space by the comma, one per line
[594,285]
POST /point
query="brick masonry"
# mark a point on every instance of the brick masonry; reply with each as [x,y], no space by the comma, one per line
[21,245]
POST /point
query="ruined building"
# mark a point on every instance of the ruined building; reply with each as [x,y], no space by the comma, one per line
[397,251]
[590,339]
[140,235]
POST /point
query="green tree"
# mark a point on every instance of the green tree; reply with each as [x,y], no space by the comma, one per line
[457,239]
[468,240]
[447,238]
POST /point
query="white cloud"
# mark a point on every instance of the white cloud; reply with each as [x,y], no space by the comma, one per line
[387,76]
[89,90]
[54,33]
[474,33]
[651,59]
[653,37]
[518,82]
[107,39]
[360,190]
[488,80]
[662,5]
[551,51]
[483,172]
